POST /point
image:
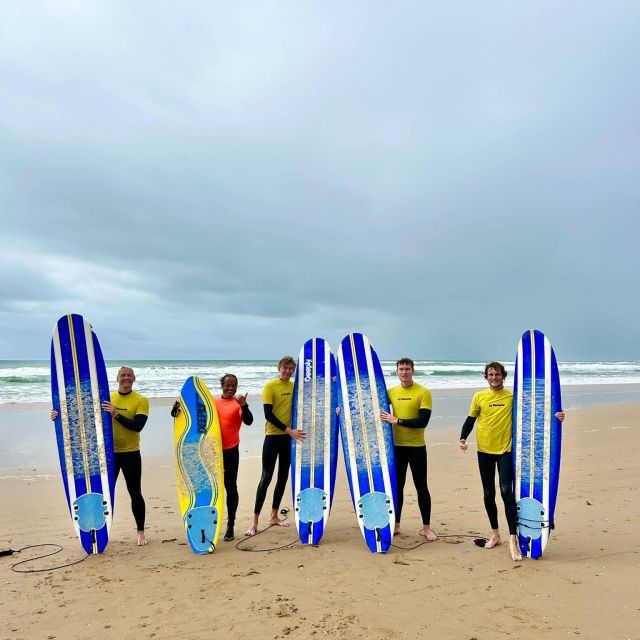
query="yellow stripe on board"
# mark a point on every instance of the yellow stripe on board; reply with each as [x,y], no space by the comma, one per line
[206,440]
[185,489]
[365,435]
[76,374]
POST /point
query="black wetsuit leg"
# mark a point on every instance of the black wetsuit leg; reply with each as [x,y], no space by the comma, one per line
[131,464]
[231,460]
[487,466]
[402,462]
[506,476]
[274,447]
[284,463]
[418,466]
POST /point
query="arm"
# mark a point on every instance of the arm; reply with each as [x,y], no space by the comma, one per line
[247,416]
[134,424]
[413,423]
[467,427]
[268,414]
[297,434]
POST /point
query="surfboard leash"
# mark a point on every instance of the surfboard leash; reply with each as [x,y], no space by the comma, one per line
[283,512]
[45,555]
[441,535]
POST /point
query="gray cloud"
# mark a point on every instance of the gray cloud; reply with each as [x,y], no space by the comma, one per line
[228,181]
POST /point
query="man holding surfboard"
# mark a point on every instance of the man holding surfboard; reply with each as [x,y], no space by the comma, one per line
[493,409]
[129,411]
[411,404]
[277,397]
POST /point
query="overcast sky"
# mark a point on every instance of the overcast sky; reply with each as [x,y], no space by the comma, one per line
[226,180]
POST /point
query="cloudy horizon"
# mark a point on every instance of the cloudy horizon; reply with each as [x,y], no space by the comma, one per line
[225,182]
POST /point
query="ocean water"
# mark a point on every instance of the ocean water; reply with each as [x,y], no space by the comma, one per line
[24,381]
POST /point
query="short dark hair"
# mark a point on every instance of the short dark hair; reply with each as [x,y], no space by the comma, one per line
[286,360]
[227,375]
[497,366]
[408,361]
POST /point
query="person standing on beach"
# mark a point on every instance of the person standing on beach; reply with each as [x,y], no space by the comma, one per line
[411,404]
[493,409]
[232,411]
[129,412]
[277,397]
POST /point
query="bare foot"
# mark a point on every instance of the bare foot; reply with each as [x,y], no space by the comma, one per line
[396,531]
[428,533]
[493,541]
[141,539]
[251,531]
[276,522]
[514,547]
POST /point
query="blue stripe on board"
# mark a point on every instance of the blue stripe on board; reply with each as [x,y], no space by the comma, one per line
[383,400]
[539,421]
[334,424]
[526,416]
[556,435]
[86,417]
[107,427]
[538,444]
[369,418]
[68,370]
[357,416]
[55,398]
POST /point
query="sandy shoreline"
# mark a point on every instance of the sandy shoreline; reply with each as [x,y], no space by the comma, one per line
[586,585]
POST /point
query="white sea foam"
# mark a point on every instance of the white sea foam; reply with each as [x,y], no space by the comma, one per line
[29,381]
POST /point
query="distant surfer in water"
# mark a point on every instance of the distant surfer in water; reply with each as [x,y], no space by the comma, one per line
[411,404]
[277,398]
[233,411]
[129,412]
[493,410]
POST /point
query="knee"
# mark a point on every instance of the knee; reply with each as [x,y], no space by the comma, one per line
[506,491]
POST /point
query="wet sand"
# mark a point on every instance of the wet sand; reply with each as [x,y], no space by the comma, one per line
[587,584]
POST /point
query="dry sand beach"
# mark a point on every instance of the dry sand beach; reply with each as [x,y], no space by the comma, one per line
[587,585]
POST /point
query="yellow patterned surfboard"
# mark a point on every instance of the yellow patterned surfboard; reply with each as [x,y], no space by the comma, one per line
[199,467]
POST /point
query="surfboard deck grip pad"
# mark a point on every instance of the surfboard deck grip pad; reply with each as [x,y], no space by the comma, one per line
[531,518]
[201,523]
[311,504]
[90,511]
[375,510]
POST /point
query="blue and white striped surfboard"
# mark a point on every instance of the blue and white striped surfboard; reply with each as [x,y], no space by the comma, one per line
[199,466]
[83,430]
[367,441]
[537,436]
[314,460]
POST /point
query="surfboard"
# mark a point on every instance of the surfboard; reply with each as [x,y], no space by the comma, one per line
[537,439]
[367,441]
[199,466]
[314,460]
[84,436]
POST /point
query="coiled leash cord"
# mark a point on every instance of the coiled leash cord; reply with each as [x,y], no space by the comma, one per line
[9,552]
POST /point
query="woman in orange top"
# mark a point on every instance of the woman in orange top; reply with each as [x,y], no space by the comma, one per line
[233,411]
